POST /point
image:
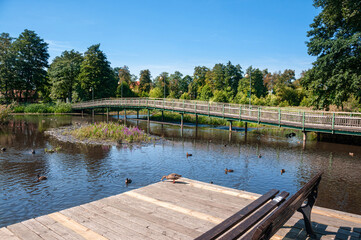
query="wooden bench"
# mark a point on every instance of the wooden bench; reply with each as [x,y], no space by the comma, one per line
[262,218]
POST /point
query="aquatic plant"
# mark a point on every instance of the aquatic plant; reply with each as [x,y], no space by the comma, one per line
[110,131]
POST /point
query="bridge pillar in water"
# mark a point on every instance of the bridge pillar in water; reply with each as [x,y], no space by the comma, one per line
[82,113]
[107,114]
[148,117]
[230,125]
[196,120]
[162,116]
[93,114]
[118,114]
[137,113]
[318,136]
[125,116]
[182,121]
[245,127]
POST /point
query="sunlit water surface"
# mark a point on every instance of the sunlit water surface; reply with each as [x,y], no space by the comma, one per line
[79,174]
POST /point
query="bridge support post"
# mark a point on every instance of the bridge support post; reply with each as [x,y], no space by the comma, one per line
[318,136]
[245,128]
[162,116]
[137,113]
[148,117]
[107,114]
[230,125]
[93,114]
[196,120]
[118,114]
[125,116]
[182,121]
[82,113]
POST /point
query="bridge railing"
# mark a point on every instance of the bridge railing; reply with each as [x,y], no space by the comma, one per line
[319,119]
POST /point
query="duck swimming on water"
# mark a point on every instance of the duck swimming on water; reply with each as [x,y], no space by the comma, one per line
[40,178]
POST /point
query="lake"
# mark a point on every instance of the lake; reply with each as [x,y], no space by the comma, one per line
[79,174]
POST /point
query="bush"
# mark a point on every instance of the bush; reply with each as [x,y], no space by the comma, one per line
[62,107]
[36,108]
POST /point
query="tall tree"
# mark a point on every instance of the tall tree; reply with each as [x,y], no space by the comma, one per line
[96,75]
[31,62]
[174,84]
[7,63]
[125,83]
[185,82]
[335,39]
[199,80]
[145,81]
[63,74]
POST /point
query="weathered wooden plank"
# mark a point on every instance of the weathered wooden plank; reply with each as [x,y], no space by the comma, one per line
[75,226]
[41,230]
[138,215]
[184,200]
[161,212]
[58,228]
[21,231]
[126,221]
[207,195]
[175,205]
[101,225]
[7,234]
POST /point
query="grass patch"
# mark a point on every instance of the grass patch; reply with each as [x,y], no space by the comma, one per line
[112,132]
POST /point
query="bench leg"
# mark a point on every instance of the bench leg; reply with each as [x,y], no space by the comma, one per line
[306,212]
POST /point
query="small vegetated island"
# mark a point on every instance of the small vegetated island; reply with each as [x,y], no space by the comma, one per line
[102,133]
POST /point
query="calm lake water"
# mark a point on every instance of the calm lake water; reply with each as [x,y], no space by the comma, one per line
[79,174]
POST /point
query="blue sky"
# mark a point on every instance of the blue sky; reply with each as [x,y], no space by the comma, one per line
[171,35]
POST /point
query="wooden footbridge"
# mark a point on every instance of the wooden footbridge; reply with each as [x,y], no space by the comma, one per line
[306,121]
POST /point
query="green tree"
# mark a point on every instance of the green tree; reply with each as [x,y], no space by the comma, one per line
[199,80]
[145,81]
[206,93]
[126,91]
[233,74]
[174,83]
[335,39]
[156,93]
[64,73]
[31,62]
[96,74]
[184,84]
[7,64]
[162,82]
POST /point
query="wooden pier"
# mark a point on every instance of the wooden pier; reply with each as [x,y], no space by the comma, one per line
[164,210]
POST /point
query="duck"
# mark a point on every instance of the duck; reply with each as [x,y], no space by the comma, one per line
[32,151]
[172,176]
[282,171]
[3,149]
[40,178]
[259,155]
[189,154]
[228,170]
[128,180]
[351,154]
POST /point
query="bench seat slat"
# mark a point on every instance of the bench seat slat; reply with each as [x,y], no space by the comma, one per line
[237,217]
[255,218]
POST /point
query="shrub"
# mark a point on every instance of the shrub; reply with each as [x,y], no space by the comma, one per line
[62,107]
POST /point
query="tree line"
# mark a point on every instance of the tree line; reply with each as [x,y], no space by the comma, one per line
[334,79]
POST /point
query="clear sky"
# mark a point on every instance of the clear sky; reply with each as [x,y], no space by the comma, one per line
[171,35]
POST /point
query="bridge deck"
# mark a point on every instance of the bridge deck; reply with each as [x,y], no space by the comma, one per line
[169,211]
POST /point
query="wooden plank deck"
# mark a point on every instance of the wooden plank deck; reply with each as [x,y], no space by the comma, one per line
[165,210]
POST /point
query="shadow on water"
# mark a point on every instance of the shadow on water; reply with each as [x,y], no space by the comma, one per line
[79,174]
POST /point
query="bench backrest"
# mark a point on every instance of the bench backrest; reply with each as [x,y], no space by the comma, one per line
[269,226]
